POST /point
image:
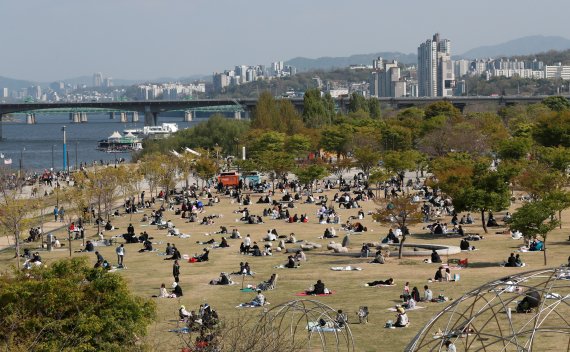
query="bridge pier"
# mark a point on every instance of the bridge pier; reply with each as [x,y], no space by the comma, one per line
[31,119]
[188,115]
[237,115]
[83,117]
[135,116]
[123,118]
[76,118]
[150,118]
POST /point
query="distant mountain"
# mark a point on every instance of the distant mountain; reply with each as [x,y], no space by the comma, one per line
[327,63]
[14,84]
[522,46]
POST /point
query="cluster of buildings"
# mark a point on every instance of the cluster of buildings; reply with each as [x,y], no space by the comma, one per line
[437,75]
[169,91]
[245,74]
[102,82]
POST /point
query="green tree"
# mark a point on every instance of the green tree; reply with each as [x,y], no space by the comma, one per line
[557,158]
[374,108]
[335,139]
[298,145]
[553,129]
[558,200]
[515,148]
[205,168]
[266,112]
[400,162]
[15,214]
[366,158]
[476,188]
[71,307]
[315,112]
[308,174]
[276,163]
[557,103]
[533,219]
[443,108]
[357,102]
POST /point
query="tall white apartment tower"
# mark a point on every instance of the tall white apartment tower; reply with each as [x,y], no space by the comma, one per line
[435,68]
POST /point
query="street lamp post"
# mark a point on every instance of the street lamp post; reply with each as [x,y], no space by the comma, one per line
[64,149]
[20,172]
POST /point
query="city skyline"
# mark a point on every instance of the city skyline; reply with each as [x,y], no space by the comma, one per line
[145,39]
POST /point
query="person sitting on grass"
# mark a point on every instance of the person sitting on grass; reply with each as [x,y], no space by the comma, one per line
[402,319]
[318,289]
[464,245]
[266,285]
[511,261]
[258,301]
[341,319]
[291,262]
[518,261]
[388,282]
[300,256]
[435,258]
[147,247]
[176,289]
[379,258]
[224,279]
[224,243]
[438,274]
[175,254]
[204,257]
[428,294]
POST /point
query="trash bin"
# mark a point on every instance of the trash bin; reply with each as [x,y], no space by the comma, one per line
[49,240]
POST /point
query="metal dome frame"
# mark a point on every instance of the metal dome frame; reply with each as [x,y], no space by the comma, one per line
[484,319]
[293,318]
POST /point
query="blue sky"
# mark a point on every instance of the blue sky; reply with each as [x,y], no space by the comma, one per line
[46,40]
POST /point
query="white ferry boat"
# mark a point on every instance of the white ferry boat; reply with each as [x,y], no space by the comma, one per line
[163,130]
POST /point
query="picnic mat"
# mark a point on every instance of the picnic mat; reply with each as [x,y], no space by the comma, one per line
[246,305]
[345,268]
[247,289]
[305,294]
[415,308]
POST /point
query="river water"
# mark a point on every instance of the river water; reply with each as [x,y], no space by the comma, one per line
[33,144]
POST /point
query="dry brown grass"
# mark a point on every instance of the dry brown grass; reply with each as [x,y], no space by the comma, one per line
[146,271]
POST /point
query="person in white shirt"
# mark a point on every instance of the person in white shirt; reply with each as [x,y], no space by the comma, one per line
[120,250]
[428,294]
[450,346]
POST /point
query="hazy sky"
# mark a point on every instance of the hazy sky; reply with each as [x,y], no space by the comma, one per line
[47,40]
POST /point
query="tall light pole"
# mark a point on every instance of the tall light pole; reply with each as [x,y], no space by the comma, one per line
[20,172]
[64,149]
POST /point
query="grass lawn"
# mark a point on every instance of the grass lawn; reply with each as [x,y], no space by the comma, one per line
[146,271]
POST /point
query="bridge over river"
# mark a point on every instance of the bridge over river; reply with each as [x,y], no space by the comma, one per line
[152,108]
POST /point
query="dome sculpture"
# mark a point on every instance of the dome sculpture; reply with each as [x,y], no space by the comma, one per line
[523,312]
[309,324]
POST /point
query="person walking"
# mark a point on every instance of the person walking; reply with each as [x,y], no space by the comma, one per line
[55,213]
[61,214]
[120,254]
[176,270]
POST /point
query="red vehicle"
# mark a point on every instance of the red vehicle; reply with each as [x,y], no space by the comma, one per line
[229,178]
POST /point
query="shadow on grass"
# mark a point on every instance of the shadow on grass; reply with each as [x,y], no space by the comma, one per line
[484,265]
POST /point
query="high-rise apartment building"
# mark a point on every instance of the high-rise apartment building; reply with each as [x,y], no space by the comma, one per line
[387,81]
[97,79]
[435,68]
